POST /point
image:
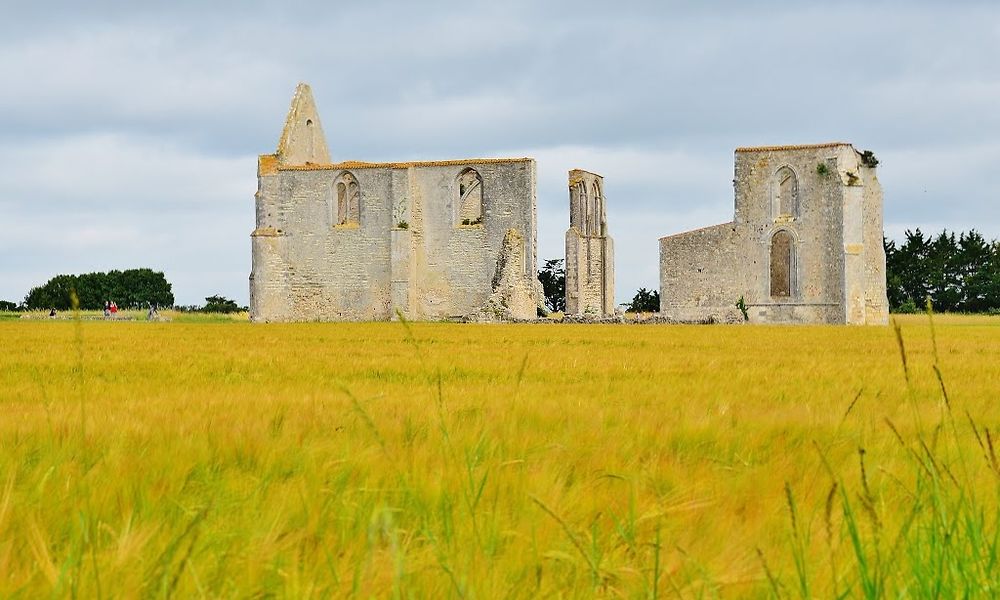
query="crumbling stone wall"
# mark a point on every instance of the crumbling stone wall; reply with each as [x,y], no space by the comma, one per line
[400,243]
[590,259]
[821,197]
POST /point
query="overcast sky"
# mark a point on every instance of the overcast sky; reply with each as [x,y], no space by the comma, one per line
[129,136]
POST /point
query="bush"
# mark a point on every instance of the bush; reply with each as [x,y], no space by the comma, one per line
[221,304]
[908,307]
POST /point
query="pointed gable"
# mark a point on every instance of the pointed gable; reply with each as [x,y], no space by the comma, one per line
[302,140]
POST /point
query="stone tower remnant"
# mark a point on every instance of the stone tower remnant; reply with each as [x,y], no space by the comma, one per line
[590,258]
[805,244]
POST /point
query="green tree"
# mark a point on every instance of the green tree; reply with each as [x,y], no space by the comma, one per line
[644,301]
[553,278]
[132,288]
[975,258]
[221,304]
[958,273]
[944,281]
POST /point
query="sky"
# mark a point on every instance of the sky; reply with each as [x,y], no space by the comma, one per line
[129,133]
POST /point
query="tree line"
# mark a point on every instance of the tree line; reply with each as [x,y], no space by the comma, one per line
[131,288]
[959,273]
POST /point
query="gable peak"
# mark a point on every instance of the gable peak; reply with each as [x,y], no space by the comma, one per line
[302,139]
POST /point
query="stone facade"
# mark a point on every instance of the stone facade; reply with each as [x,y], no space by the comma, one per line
[590,258]
[805,245]
[363,241]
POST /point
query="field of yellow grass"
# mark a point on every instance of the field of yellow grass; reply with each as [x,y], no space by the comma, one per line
[479,461]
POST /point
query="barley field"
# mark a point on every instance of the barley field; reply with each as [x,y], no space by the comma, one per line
[391,460]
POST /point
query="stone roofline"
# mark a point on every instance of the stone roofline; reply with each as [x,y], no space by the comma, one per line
[357,164]
[690,231]
[792,147]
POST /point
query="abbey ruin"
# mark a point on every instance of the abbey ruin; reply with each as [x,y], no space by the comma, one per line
[369,241]
[457,239]
[805,245]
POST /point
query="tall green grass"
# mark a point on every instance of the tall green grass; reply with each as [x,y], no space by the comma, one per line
[938,537]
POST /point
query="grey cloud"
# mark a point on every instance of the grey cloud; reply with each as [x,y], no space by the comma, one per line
[159,110]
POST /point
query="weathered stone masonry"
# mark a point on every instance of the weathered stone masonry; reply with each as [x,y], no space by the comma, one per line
[805,245]
[361,241]
[590,258]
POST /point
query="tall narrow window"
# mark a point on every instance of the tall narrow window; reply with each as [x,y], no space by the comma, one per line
[348,200]
[782,263]
[787,189]
[595,224]
[311,140]
[583,202]
[470,198]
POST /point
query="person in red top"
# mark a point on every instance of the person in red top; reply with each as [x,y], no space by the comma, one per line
[114,308]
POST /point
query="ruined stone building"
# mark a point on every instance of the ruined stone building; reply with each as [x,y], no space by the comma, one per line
[590,258]
[449,239]
[805,245]
[360,241]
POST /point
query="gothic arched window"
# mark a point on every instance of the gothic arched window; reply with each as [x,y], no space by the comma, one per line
[470,198]
[782,264]
[348,199]
[786,193]
[595,199]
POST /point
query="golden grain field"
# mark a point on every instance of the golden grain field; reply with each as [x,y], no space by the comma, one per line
[485,461]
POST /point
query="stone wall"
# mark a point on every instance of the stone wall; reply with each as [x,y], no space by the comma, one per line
[815,224]
[699,274]
[407,251]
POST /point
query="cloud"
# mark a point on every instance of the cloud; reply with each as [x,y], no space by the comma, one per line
[129,131]
[100,202]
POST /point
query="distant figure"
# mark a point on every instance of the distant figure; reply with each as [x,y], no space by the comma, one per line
[114,310]
[153,314]
[107,309]
[52,313]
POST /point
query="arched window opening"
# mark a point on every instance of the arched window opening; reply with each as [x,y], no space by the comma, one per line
[595,223]
[787,191]
[470,198]
[311,137]
[348,200]
[782,264]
